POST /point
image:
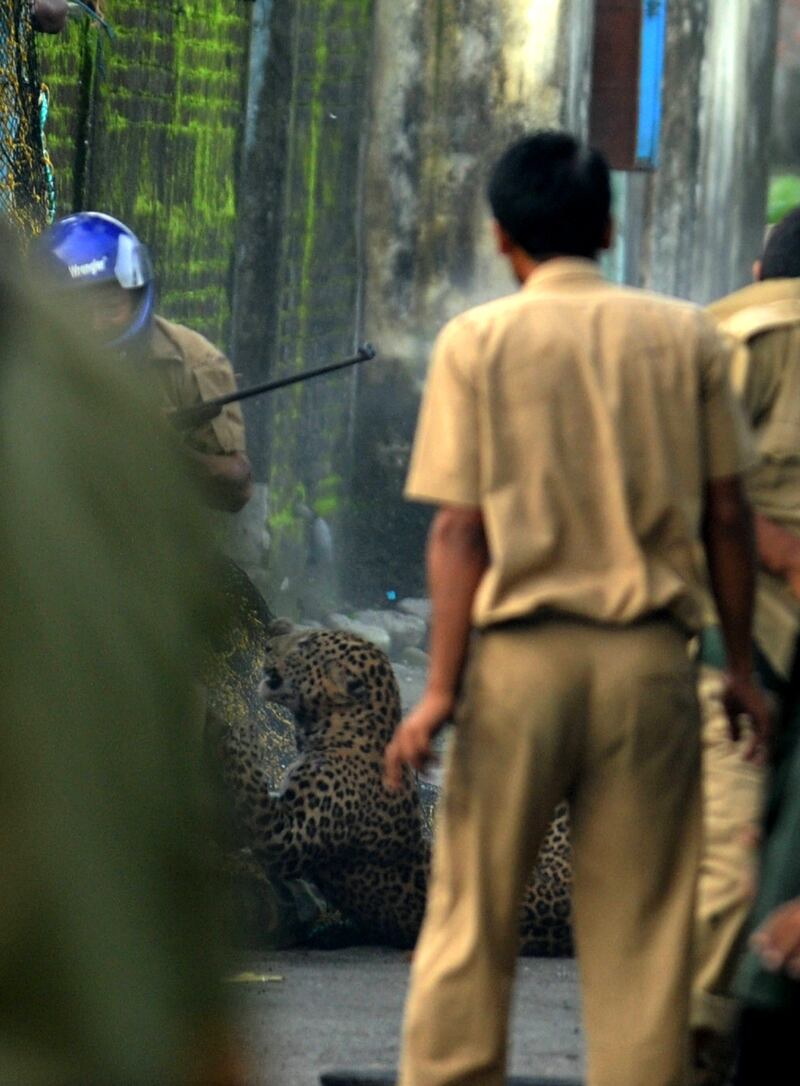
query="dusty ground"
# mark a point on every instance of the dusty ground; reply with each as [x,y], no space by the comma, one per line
[341,1009]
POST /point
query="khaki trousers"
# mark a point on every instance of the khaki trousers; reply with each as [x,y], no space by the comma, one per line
[732,801]
[607,717]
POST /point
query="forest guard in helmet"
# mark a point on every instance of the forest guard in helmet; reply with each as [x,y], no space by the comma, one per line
[99,256]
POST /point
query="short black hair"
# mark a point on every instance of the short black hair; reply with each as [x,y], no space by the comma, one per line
[552,195]
[781,259]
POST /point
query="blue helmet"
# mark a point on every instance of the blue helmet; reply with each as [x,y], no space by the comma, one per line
[92,248]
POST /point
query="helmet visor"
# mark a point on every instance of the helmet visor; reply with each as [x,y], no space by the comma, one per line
[133,267]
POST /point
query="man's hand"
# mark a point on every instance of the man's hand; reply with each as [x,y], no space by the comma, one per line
[457,558]
[411,743]
[743,696]
[777,941]
[226,480]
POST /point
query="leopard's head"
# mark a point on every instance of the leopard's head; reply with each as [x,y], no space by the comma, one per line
[320,675]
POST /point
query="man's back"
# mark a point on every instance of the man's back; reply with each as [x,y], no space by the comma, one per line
[573,437]
[597,412]
[764,319]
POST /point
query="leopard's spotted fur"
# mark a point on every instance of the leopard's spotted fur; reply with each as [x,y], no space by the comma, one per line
[333,822]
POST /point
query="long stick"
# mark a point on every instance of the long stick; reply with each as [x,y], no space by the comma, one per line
[190,417]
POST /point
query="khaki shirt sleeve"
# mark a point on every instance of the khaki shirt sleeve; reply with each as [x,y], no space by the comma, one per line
[756,374]
[727,439]
[775,360]
[214,377]
[445,468]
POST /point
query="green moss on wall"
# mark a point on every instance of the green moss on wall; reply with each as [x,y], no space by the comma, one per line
[318,284]
[156,140]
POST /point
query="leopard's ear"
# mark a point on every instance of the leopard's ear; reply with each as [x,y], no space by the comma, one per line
[278,627]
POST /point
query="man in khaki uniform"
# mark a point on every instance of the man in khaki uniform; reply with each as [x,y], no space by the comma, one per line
[112,272]
[578,438]
[764,320]
[110,276]
[188,370]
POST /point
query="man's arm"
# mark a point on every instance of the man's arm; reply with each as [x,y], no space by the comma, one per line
[728,536]
[457,558]
[777,941]
[226,479]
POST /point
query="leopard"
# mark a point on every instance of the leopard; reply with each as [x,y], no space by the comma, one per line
[333,822]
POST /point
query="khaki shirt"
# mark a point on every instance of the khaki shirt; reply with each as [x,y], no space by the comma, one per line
[583,419]
[764,319]
[190,370]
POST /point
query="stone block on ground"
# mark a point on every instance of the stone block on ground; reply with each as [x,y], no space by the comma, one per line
[405,630]
[413,606]
[414,657]
[376,634]
[411,683]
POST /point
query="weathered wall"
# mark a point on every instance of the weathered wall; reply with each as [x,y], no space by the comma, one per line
[704,209]
[165,128]
[370,129]
[453,81]
[662,206]
[736,100]
[786,103]
[299,270]
[147,128]
[347,175]
[468,76]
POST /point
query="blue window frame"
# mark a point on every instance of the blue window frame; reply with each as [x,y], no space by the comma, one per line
[654,33]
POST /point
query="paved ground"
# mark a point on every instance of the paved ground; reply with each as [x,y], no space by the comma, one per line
[341,1009]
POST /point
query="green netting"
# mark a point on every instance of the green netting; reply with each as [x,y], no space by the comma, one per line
[26,190]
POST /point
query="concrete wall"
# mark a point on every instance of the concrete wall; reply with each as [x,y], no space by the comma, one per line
[327,171]
[454,81]
[699,220]
[786,102]
[300,272]
[369,132]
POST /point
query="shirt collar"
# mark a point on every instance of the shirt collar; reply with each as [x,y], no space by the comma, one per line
[563,269]
[163,349]
[763,292]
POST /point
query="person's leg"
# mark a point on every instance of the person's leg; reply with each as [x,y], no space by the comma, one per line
[636,843]
[515,742]
[761,982]
[732,801]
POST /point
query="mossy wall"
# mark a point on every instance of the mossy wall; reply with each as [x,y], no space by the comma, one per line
[147,127]
[322,180]
[300,269]
[453,82]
